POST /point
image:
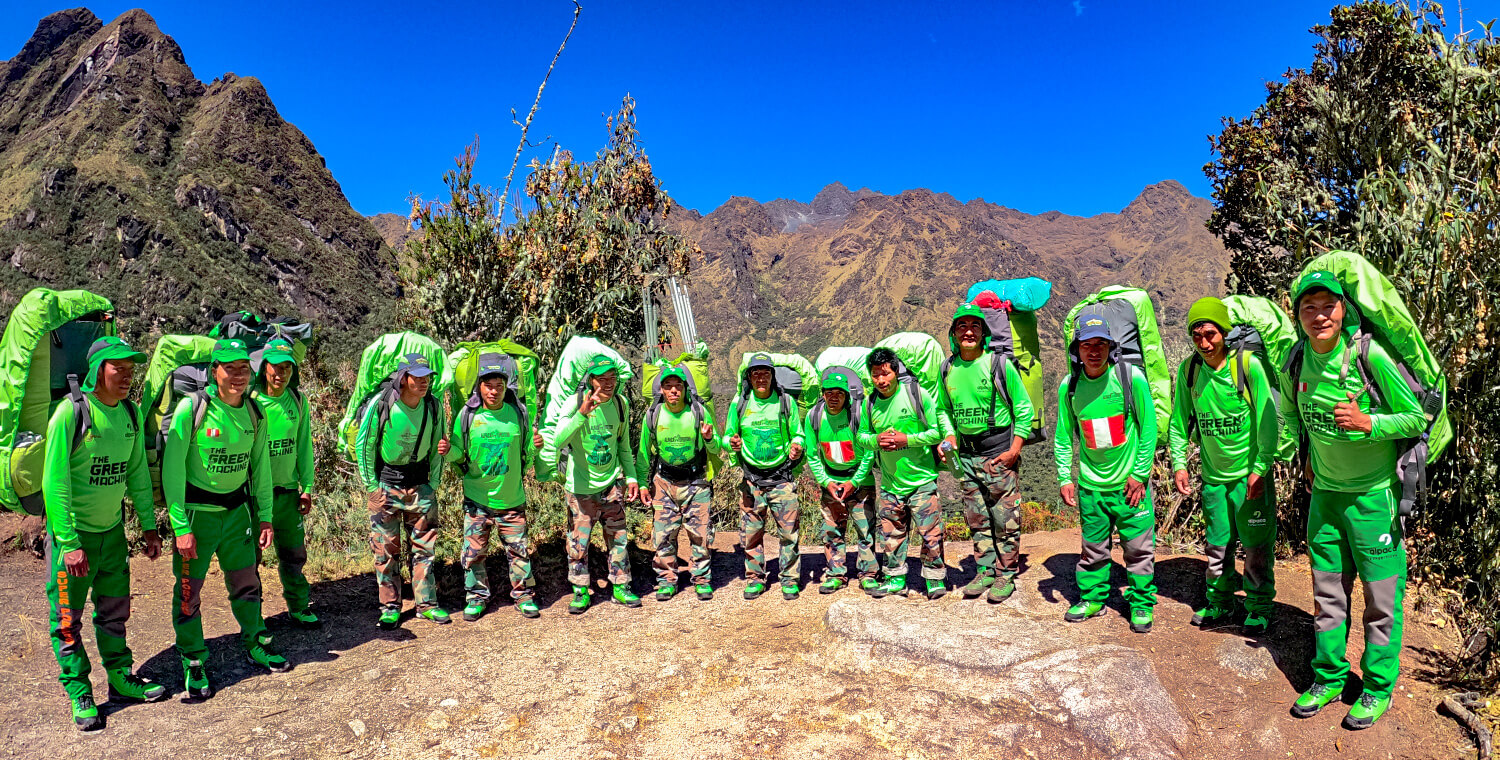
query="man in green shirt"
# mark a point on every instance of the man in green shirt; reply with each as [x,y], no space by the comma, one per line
[399,451]
[493,453]
[673,459]
[216,479]
[765,432]
[845,474]
[1116,442]
[591,450]
[1353,527]
[1233,419]
[84,484]
[902,425]
[989,435]
[289,430]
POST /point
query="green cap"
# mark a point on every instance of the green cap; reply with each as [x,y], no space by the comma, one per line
[106,349]
[836,381]
[230,350]
[601,364]
[1318,280]
[279,351]
[677,372]
[968,310]
[1209,309]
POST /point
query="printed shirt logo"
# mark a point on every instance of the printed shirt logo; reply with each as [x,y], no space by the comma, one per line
[1104,433]
[838,452]
[1093,323]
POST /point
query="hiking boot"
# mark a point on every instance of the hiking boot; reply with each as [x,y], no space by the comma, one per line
[1211,615]
[869,585]
[125,686]
[1140,620]
[580,600]
[86,713]
[790,590]
[1256,624]
[754,590]
[896,586]
[977,586]
[936,588]
[665,593]
[260,655]
[705,592]
[1001,591]
[389,619]
[830,584]
[307,620]
[1312,701]
[195,680]
[473,611]
[1083,611]
[528,608]
[623,595]
[264,638]
[435,614]
[1366,711]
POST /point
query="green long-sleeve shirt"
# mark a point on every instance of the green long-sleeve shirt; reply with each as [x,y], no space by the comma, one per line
[905,470]
[969,390]
[226,449]
[1344,460]
[498,457]
[407,438]
[1236,438]
[289,430]
[1113,448]
[838,447]
[598,446]
[675,441]
[83,490]
[765,437]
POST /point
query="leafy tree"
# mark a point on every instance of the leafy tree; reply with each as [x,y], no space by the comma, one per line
[1388,145]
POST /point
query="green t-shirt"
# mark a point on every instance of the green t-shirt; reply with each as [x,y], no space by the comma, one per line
[496,450]
[1344,460]
[83,490]
[404,441]
[289,431]
[676,440]
[969,390]
[598,446]
[226,449]
[1236,438]
[905,470]
[1112,448]
[765,437]
[838,449]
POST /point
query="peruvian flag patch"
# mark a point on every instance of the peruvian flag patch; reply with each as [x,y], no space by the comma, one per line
[1105,432]
[838,452]
[212,432]
[1303,387]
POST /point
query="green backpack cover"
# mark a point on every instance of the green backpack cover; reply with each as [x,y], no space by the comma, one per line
[45,355]
[376,365]
[1259,332]
[179,368]
[1132,323]
[853,363]
[923,357]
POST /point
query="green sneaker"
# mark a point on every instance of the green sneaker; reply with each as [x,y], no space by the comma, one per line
[754,590]
[977,586]
[264,638]
[1001,591]
[830,584]
[1140,620]
[435,614]
[268,659]
[473,611]
[195,679]
[1083,611]
[790,590]
[1366,711]
[125,686]
[623,595]
[389,619]
[528,608]
[1256,624]
[705,592]
[665,593]
[1212,615]
[936,588]
[892,586]
[580,600]
[86,713]
[1312,701]
[306,620]
[869,585]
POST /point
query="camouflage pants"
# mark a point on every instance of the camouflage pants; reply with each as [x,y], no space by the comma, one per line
[608,509]
[510,525]
[678,506]
[858,511]
[919,511]
[780,503]
[992,508]
[420,517]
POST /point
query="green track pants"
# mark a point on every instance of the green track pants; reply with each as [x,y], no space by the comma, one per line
[1102,513]
[232,536]
[291,550]
[1348,535]
[109,580]
[1232,518]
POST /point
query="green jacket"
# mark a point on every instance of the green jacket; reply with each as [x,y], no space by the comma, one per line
[497,457]
[1237,438]
[598,446]
[1113,447]
[225,451]
[289,430]
[905,470]
[83,490]
[676,441]
[969,389]
[405,433]
[829,443]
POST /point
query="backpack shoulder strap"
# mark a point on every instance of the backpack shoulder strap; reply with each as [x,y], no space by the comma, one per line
[1241,382]
[915,392]
[83,417]
[1366,372]
[999,389]
[199,408]
[1127,387]
[815,415]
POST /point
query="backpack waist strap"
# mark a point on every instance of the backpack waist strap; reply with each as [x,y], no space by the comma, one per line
[409,475]
[194,495]
[986,444]
[773,476]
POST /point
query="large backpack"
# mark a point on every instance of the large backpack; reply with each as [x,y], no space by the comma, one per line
[377,364]
[1259,332]
[1009,308]
[461,379]
[851,363]
[703,410]
[570,380]
[1381,316]
[919,373]
[1132,324]
[795,382]
[179,368]
[45,357]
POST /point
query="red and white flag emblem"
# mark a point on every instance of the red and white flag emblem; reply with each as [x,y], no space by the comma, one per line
[211,432]
[1105,432]
[1302,387]
[838,452]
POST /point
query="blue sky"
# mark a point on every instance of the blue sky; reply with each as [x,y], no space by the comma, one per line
[1072,105]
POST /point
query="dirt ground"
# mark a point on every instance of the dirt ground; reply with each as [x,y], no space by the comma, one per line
[679,679]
